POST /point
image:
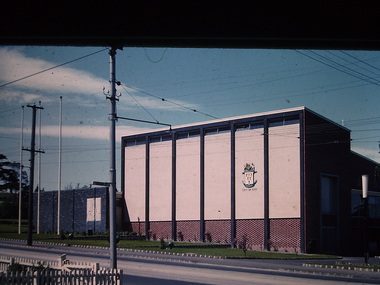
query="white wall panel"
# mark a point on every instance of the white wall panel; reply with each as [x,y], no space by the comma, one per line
[284,171]
[135,181]
[249,148]
[160,185]
[217,176]
[188,179]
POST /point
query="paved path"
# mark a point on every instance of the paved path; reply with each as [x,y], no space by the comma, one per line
[150,268]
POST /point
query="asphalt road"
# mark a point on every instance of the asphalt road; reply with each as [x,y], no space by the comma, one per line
[150,268]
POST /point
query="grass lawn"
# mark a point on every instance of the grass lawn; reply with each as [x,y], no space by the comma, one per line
[155,246]
[9,230]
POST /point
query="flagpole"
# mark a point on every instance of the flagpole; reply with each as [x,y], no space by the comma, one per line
[59,168]
[39,173]
[20,174]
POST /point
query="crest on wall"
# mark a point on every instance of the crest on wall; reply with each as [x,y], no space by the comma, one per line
[249,175]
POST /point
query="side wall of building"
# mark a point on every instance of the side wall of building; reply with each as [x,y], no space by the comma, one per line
[82,211]
[328,192]
[196,183]
[372,169]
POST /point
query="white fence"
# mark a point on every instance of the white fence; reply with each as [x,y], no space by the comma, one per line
[62,272]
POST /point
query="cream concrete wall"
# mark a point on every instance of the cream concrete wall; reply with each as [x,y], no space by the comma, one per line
[135,181]
[188,179]
[160,185]
[284,171]
[217,176]
[249,148]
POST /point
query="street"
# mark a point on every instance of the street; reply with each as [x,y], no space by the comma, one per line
[145,268]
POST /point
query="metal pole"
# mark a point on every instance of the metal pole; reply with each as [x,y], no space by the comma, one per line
[31,178]
[366,248]
[366,216]
[39,173]
[112,189]
[59,168]
[233,187]
[266,187]
[21,167]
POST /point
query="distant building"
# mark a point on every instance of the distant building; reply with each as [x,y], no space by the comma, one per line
[82,211]
[287,180]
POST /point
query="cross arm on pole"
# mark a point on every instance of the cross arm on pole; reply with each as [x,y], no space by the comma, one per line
[28,149]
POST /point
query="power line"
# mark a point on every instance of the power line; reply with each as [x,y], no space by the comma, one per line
[155,61]
[361,61]
[50,68]
[352,63]
[171,102]
[139,103]
[340,67]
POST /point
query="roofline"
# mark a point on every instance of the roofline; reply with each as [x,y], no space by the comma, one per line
[242,117]
[364,157]
[327,119]
[210,122]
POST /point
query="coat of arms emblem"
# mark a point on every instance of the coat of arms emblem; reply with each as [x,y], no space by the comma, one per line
[249,175]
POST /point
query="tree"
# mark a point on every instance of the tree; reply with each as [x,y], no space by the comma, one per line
[9,181]
[9,172]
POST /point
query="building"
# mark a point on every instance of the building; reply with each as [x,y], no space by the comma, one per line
[82,211]
[283,179]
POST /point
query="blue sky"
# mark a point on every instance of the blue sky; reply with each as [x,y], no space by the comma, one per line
[340,85]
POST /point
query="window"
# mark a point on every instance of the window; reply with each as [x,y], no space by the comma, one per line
[94,213]
[137,141]
[357,204]
[329,195]
[284,121]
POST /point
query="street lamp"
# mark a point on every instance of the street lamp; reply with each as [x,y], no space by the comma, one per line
[112,208]
[366,216]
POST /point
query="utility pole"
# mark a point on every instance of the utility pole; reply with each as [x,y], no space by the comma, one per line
[32,151]
[112,189]
[21,168]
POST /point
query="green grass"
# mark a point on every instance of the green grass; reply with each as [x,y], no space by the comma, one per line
[155,246]
[11,226]
[9,230]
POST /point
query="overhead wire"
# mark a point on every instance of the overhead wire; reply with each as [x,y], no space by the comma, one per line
[361,61]
[352,63]
[171,102]
[155,61]
[133,97]
[340,67]
[50,68]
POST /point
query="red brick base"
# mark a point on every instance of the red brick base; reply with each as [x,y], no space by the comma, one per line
[254,231]
[284,233]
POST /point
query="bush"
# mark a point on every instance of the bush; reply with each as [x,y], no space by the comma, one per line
[162,244]
[243,243]
[208,237]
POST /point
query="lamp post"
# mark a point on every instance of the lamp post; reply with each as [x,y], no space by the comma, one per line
[366,216]
[112,205]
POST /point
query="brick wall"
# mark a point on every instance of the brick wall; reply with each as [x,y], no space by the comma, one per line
[189,230]
[161,230]
[219,230]
[285,235]
[254,231]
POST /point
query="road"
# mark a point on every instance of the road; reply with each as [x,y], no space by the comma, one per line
[147,268]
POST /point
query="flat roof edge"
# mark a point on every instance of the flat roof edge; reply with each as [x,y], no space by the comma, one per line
[227,119]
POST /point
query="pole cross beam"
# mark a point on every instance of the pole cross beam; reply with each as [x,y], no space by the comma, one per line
[28,149]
